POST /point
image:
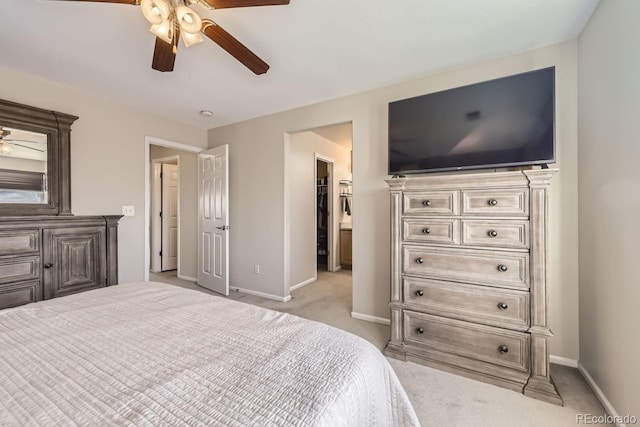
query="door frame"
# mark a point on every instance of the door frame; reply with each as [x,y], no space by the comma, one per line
[148,142]
[331,257]
[156,208]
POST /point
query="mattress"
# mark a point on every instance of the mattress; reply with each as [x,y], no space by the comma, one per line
[148,354]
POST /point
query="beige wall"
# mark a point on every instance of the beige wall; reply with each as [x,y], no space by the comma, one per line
[107,155]
[257,186]
[188,268]
[300,155]
[609,131]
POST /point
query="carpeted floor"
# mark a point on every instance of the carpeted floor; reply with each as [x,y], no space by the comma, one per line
[439,398]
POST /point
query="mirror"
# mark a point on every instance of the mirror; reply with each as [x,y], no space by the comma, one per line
[35,163]
[23,166]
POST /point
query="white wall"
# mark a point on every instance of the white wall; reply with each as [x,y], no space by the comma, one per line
[107,155]
[300,155]
[609,179]
[188,206]
[257,182]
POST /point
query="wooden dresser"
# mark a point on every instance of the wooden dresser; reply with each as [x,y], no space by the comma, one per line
[48,257]
[469,276]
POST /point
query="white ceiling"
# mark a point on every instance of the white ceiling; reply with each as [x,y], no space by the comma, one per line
[317,49]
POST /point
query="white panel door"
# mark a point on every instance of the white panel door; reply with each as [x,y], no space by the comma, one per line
[213,214]
[169,217]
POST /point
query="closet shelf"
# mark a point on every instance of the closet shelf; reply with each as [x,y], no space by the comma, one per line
[346,195]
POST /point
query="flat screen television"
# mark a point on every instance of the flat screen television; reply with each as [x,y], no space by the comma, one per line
[498,123]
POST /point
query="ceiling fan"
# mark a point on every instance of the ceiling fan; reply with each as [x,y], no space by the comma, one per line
[171,19]
[6,143]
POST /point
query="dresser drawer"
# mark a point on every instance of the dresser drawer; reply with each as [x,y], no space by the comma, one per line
[497,307]
[432,230]
[431,202]
[502,234]
[13,269]
[502,269]
[19,242]
[15,294]
[496,202]
[485,343]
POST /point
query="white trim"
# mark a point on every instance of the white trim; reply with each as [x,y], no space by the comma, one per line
[599,394]
[148,141]
[260,294]
[155,260]
[287,218]
[338,268]
[564,361]
[369,318]
[187,278]
[303,283]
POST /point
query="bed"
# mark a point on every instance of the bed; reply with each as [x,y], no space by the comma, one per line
[156,354]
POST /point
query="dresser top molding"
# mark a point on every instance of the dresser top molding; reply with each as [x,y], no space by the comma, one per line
[28,222]
[483,180]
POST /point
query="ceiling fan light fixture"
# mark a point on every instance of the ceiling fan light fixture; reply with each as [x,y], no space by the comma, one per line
[155,11]
[5,148]
[189,21]
[190,39]
[163,30]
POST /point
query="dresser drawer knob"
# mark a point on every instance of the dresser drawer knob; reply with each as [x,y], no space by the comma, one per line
[419,293]
[48,265]
[493,202]
[493,233]
[502,267]
[426,231]
[503,349]
[419,260]
[502,305]
[427,202]
[420,330]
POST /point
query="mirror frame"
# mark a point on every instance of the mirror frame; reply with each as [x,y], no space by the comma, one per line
[57,127]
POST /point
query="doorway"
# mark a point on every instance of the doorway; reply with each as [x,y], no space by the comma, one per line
[318,206]
[165,214]
[324,229]
[185,232]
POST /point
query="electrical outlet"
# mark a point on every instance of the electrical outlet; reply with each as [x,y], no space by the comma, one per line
[128,211]
[256,269]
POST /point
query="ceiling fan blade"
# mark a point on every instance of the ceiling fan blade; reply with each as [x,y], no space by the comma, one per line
[133,2]
[223,4]
[16,143]
[164,55]
[234,47]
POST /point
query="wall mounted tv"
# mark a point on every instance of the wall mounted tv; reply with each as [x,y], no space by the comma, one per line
[498,123]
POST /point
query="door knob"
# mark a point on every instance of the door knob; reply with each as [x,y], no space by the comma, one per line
[48,265]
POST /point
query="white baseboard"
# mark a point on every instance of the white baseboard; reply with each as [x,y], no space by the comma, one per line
[600,394]
[338,268]
[564,361]
[260,294]
[301,284]
[187,278]
[369,318]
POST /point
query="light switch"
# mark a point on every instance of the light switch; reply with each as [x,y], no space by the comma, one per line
[128,211]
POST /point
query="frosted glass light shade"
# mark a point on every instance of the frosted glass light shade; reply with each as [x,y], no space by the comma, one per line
[189,39]
[155,10]
[189,20]
[164,30]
